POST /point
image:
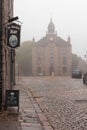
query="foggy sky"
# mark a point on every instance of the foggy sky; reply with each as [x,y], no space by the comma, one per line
[68,16]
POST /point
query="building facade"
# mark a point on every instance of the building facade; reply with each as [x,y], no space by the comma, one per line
[7,55]
[51,54]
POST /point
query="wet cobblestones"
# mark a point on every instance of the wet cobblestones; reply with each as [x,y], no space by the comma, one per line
[66,115]
[63,100]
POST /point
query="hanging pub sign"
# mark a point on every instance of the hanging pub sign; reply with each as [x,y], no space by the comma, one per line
[13,35]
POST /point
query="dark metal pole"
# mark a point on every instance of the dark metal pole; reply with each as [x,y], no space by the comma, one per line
[1,54]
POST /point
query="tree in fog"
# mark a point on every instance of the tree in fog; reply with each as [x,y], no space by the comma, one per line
[24,58]
[74,61]
[79,63]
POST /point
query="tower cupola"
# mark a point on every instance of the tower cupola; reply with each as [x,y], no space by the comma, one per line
[51,27]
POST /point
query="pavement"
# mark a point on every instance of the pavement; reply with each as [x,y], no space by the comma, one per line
[63,100]
[30,115]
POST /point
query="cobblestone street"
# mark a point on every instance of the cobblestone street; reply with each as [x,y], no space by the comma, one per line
[62,99]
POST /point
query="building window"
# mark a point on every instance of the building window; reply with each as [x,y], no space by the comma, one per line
[38,52]
[64,61]
[38,60]
[51,51]
[51,55]
[64,69]
[64,51]
[39,70]
[51,60]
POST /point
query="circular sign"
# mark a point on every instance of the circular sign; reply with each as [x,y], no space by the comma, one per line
[13,40]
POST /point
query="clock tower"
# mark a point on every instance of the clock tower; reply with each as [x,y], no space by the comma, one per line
[51,55]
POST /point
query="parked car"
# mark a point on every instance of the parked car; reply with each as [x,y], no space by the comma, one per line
[85,78]
[76,74]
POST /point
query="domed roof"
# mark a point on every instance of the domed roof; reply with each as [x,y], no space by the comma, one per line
[51,27]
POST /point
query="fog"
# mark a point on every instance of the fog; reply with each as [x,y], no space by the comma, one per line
[68,16]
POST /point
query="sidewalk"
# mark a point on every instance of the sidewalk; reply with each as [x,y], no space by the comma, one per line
[30,116]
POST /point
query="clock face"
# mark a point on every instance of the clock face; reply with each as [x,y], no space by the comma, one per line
[13,40]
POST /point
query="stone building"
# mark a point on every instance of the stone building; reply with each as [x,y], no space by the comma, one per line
[51,54]
[7,55]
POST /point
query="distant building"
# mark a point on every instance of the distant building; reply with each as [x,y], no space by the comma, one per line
[51,54]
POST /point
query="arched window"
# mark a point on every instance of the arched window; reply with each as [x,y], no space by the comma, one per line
[64,60]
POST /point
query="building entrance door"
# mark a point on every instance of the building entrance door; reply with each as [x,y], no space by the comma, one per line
[51,70]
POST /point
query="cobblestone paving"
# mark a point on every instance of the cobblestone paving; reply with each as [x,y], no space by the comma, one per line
[63,100]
